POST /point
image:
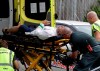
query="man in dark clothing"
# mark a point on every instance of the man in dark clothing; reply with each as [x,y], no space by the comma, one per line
[81,43]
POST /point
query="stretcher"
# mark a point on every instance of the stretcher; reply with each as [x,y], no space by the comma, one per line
[35,53]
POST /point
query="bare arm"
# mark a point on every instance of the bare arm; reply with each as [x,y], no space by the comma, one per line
[74,54]
[16,64]
[97,35]
[46,22]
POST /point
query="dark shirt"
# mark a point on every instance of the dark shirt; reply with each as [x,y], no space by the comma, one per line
[80,41]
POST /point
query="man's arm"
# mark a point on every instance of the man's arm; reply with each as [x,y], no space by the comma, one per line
[46,22]
[97,35]
[96,31]
[16,63]
[74,54]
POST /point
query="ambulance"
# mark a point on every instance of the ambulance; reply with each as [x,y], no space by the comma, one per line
[26,12]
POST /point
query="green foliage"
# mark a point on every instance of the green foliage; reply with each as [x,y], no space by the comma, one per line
[85,19]
[95,8]
[99,1]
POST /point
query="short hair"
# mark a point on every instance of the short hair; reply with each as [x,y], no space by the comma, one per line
[63,30]
[92,14]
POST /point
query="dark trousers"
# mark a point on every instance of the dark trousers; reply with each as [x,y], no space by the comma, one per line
[87,61]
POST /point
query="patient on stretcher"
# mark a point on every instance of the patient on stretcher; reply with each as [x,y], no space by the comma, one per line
[43,31]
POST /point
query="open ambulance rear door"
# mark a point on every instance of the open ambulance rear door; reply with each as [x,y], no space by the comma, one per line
[6,14]
[35,11]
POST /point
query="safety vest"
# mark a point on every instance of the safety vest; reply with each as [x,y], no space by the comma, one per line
[95,27]
[6,59]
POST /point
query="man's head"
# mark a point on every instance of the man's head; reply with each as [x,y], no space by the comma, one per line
[3,43]
[64,31]
[92,17]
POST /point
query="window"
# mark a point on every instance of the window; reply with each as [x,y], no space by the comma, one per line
[4,8]
[37,9]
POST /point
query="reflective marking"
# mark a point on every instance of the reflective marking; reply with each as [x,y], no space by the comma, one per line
[8,64]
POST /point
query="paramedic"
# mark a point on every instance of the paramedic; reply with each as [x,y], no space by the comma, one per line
[81,43]
[95,22]
[8,61]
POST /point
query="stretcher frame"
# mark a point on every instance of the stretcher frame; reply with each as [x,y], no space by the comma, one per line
[32,55]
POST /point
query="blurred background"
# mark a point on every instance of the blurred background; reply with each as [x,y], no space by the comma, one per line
[76,9]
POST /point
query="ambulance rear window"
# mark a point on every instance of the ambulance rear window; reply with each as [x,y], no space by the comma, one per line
[37,9]
[4,8]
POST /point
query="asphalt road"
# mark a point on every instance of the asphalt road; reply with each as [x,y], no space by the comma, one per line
[22,68]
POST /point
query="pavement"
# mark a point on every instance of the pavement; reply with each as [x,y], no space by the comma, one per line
[55,67]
